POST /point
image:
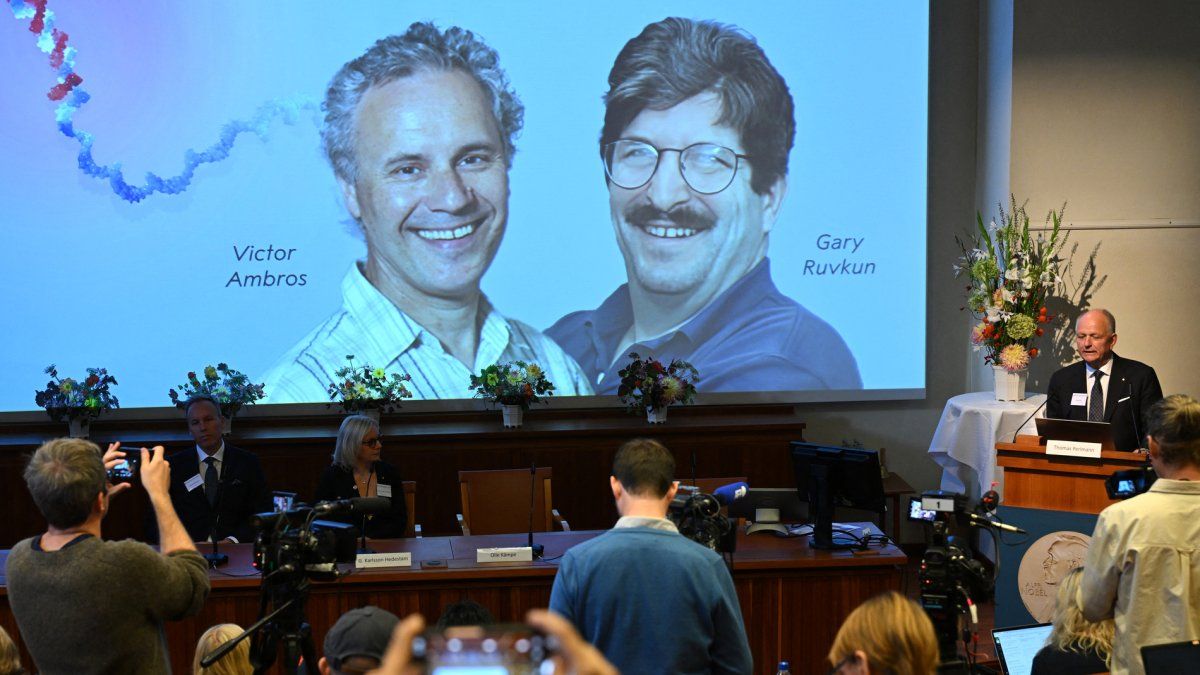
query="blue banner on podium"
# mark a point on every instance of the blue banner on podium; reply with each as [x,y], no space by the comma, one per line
[1031,566]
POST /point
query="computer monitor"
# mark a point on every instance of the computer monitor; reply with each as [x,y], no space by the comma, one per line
[827,476]
[1016,646]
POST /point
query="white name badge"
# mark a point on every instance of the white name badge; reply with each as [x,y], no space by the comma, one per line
[383,490]
[369,560]
[193,482]
[1073,449]
[1078,399]
[512,554]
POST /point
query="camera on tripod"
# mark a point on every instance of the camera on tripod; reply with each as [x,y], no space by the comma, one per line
[698,517]
[951,579]
[295,542]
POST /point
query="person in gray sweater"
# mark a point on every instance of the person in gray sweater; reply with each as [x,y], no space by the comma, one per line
[85,605]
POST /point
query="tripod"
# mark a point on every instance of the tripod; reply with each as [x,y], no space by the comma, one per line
[284,626]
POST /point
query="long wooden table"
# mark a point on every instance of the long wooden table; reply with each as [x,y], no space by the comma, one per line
[793,598]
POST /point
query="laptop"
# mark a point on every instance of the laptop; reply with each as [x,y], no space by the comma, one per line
[1076,430]
[1179,657]
[1016,646]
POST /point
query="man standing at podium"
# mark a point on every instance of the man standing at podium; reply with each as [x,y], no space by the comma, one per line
[1104,387]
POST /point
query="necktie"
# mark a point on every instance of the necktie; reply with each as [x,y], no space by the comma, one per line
[1096,402]
[210,480]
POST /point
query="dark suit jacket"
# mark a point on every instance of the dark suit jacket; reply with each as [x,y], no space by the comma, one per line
[243,494]
[338,483]
[1133,389]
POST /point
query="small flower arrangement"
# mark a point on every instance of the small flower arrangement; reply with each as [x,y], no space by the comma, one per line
[649,385]
[73,399]
[231,389]
[1011,273]
[360,388]
[513,383]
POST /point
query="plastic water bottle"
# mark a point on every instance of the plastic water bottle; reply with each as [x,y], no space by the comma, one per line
[784,669]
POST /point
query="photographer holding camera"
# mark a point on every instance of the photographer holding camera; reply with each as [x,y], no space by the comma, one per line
[88,605]
[1143,567]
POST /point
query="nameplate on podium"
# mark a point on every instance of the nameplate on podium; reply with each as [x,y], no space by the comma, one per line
[369,560]
[508,554]
[1073,449]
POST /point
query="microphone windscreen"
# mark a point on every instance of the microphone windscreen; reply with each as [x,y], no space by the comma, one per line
[370,504]
[728,494]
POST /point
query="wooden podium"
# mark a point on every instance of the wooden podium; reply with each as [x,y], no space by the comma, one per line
[1035,480]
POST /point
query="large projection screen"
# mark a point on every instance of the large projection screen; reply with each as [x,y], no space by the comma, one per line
[243,250]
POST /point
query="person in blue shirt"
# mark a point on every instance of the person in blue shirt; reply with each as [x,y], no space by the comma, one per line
[651,600]
[697,130]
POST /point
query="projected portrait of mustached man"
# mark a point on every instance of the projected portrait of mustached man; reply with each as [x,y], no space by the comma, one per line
[697,131]
[420,131]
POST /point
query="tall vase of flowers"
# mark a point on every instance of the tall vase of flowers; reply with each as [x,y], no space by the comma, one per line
[649,387]
[514,386]
[1011,273]
[78,401]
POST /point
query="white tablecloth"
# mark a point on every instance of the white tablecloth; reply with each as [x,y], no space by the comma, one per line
[965,441]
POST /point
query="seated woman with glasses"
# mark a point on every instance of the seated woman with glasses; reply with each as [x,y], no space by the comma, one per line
[888,634]
[357,471]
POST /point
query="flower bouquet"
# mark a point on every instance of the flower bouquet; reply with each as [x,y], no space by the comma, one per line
[368,390]
[1011,274]
[650,386]
[231,389]
[79,402]
[514,386]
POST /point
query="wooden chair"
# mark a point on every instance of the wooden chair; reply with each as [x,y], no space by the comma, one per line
[497,502]
[410,503]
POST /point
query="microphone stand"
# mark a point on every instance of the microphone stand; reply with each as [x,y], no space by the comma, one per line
[1026,420]
[1133,418]
[362,544]
[537,549]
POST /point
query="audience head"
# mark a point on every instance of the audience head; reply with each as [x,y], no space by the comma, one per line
[1173,427]
[358,441]
[357,642]
[886,634]
[10,657]
[236,662]
[465,613]
[1072,632]
[205,422]
[66,478]
[643,478]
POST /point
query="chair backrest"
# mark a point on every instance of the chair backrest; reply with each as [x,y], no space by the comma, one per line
[497,501]
[410,503]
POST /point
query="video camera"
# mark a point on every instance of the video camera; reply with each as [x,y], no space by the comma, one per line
[1130,482]
[698,517]
[951,579]
[294,542]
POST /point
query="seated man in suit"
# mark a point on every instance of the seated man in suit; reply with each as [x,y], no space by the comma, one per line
[1104,387]
[215,487]
[650,599]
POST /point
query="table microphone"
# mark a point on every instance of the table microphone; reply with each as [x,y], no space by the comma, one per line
[1133,414]
[537,549]
[1026,420]
[215,558]
[353,507]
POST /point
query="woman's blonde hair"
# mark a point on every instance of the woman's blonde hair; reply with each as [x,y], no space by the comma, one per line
[894,632]
[349,440]
[1072,632]
[236,662]
[10,656]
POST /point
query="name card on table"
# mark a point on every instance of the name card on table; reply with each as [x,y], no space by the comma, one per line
[509,554]
[1073,449]
[397,559]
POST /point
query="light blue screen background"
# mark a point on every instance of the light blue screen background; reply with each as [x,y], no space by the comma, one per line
[92,280]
